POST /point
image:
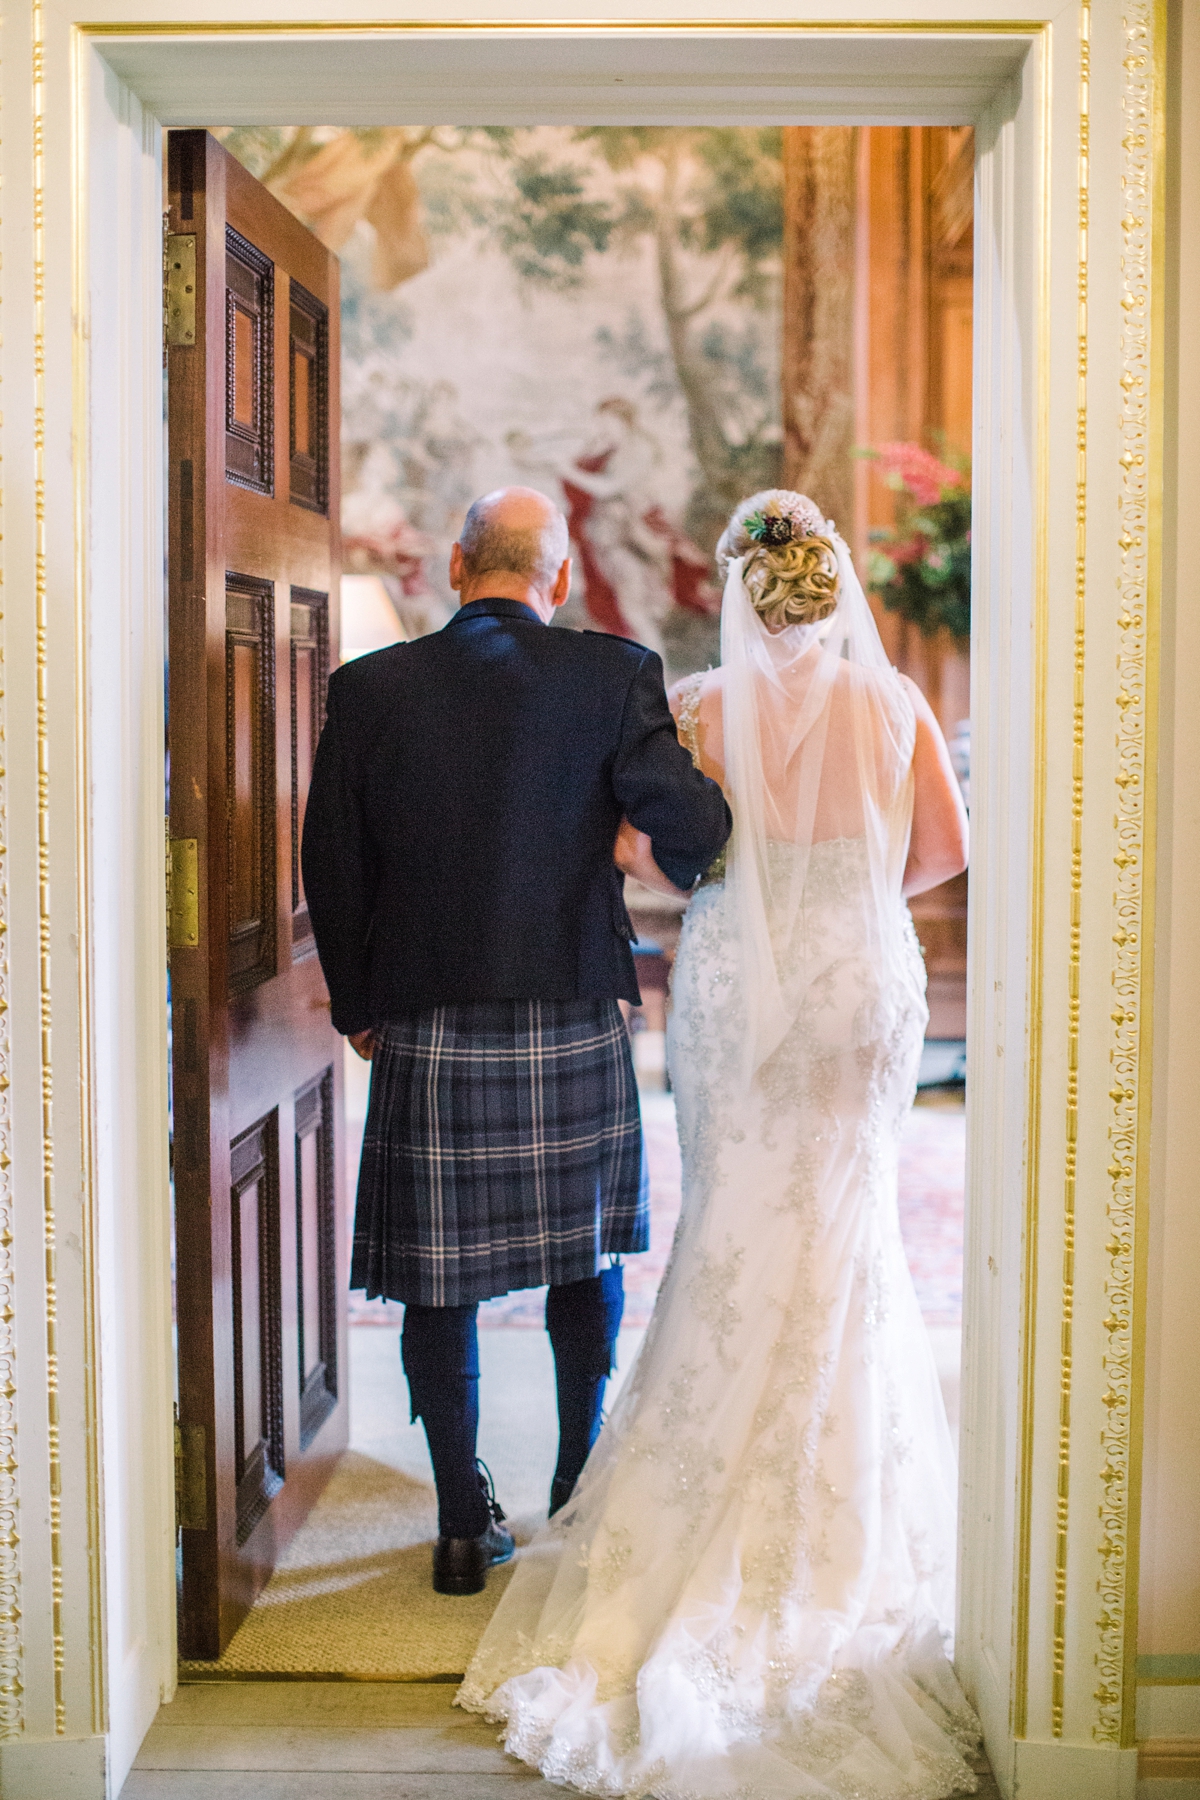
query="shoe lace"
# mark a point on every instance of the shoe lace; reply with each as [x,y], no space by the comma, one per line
[489,1491]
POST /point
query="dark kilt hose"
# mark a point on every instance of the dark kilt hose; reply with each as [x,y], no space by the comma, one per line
[503,1149]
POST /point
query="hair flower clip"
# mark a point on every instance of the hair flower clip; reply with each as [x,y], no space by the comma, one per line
[770,527]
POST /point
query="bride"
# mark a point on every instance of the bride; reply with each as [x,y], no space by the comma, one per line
[750,1592]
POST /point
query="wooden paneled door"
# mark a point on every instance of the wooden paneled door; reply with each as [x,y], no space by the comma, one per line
[252,366]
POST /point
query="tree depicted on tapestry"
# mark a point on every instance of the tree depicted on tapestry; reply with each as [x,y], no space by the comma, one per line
[647,471]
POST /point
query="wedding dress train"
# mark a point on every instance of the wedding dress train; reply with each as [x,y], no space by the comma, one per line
[751,1591]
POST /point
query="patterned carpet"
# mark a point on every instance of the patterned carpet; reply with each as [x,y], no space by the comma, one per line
[932,1175]
[931,1219]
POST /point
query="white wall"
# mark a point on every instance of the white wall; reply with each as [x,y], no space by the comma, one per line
[123,674]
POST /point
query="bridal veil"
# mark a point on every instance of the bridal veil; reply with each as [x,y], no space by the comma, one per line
[817,747]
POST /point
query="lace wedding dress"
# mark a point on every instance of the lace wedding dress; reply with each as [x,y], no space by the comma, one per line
[751,1592]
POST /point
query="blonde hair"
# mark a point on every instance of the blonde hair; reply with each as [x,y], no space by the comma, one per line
[790,566]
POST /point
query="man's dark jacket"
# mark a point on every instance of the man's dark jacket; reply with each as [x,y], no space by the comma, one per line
[465,797]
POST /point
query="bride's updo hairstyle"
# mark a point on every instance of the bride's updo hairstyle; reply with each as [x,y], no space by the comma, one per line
[790,569]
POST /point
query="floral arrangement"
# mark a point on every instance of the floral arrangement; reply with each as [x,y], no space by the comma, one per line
[921,568]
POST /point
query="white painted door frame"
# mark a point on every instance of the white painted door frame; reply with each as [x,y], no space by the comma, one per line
[1063,710]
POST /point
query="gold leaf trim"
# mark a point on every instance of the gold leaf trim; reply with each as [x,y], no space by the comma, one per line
[1067,1338]
[1129,1043]
[1033,1166]
[609,27]
[11,1657]
[41,613]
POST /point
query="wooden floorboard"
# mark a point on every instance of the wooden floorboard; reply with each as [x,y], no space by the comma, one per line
[328,1741]
[229,1784]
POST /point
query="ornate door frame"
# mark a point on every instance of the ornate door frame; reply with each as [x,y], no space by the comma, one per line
[1068,473]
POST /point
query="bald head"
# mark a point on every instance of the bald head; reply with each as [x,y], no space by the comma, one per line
[514,532]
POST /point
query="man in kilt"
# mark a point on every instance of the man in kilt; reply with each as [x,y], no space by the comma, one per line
[459,869]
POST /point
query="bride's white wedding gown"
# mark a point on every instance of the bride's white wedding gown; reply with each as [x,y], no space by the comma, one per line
[751,1592]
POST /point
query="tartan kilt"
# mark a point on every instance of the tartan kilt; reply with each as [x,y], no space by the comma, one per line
[503,1149]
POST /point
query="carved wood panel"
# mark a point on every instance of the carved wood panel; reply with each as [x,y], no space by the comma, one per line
[250,779]
[309,676]
[257,1321]
[308,410]
[249,365]
[316,1255]
[250,1017]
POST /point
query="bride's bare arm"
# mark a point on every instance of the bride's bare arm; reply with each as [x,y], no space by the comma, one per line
[938,846]
[633,854]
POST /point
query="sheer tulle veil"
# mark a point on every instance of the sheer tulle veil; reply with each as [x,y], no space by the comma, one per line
[818,743]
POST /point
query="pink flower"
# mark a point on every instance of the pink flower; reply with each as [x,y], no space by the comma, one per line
[908,550]
[919,471]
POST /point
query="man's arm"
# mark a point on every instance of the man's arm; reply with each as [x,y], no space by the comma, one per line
[681,811]
[633,854]
[340,873]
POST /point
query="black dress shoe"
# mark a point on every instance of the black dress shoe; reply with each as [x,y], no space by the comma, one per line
[460,1565]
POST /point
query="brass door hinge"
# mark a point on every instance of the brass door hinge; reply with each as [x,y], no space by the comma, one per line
[183,893]
[191,1477]
[180,302]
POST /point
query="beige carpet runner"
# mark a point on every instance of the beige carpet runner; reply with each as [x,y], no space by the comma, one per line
[351,1595]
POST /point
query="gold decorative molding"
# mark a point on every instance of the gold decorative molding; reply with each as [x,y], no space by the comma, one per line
[1037,925]
[11,1685]
[1067,1326]
[1133,859]
[299,28]
[41,614]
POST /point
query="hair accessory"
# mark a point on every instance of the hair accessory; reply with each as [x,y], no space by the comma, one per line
[770,527]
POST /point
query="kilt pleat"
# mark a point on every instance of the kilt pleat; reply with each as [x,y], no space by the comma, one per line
[503,1149]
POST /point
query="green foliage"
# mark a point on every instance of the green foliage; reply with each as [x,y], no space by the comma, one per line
[710,201]
[550,226]
[922,569]
[743,207]
[722,187]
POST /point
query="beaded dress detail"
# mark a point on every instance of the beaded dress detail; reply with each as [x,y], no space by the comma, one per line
[689,731]
[750,1594]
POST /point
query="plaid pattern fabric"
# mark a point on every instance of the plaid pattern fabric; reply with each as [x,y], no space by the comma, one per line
[503,1149]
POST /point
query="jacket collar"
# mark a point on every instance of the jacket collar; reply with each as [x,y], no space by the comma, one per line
[497,609]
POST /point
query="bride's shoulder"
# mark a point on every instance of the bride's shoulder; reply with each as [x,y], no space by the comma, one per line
[909,688]
[691,689]
[696,705]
